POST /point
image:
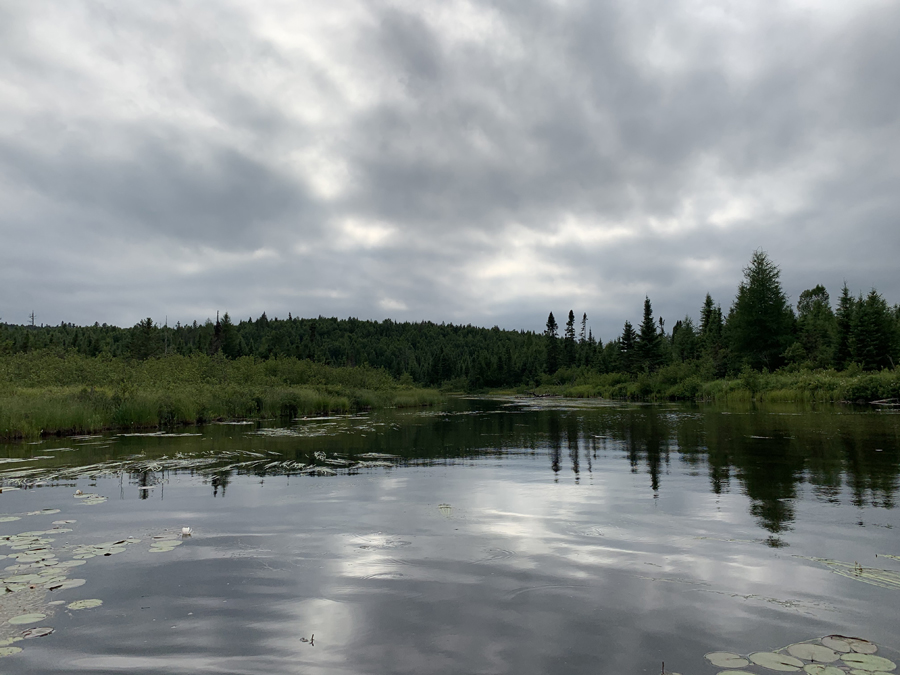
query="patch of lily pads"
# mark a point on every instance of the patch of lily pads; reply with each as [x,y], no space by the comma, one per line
[830,655]
[35,570]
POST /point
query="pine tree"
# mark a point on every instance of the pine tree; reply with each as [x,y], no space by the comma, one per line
[628,357]
[761,322]
[846,310]
[552,338]
[872,333]
[816,326]
[647,345]
[569,341]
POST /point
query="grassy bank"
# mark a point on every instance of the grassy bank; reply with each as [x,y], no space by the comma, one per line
[45,393]
[679,382]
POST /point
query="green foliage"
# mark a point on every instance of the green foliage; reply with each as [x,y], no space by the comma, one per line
[816,329]
[872,333]
[59,393]
[552,344]
[647,345]
[761,323]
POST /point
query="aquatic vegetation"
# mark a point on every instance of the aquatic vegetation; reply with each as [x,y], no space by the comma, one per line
[84,604]
[48,393]
[813,657]
[869,575]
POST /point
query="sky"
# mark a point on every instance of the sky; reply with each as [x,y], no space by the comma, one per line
[455,161]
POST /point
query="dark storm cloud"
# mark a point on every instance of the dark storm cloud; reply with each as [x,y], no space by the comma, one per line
[470,162]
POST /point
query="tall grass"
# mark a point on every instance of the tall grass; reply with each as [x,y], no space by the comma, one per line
[66,393]
[681,382]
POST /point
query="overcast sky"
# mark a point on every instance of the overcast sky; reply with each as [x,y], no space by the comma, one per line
[469,162]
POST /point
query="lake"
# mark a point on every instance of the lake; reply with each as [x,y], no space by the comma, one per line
[487,536]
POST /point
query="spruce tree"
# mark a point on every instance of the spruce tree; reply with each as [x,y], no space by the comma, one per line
[552,338]
[569,341]
[761,322]
[816,326]
[647,345]
[846,310]
[628,357]
[872,333]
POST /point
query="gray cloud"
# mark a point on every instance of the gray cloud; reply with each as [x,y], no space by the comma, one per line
[470,162]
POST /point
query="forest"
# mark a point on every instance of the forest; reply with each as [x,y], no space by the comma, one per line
[818,350]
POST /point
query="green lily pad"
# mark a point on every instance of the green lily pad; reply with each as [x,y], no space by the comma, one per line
[27,618]
[861,646]
[84,604]
[822,669]
[773,661]
[812,652]
[868,662]
[9,651]
[63,585]
[8,519]
[727,660]
[734,672]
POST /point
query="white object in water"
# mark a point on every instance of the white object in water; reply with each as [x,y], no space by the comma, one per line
[78,492]
[186,532]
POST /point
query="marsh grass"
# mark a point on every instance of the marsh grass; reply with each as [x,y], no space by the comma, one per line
[680,382]
[65,393]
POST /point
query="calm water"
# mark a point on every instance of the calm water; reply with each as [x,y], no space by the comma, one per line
[487,537]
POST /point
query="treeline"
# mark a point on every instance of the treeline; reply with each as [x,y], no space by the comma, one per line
[760,331]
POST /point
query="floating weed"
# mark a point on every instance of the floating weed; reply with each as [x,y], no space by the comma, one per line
[9,651]
[869,575]
[84,604]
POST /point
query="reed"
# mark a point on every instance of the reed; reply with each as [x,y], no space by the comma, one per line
[52,393]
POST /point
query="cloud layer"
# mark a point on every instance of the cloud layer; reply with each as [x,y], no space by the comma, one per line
[474,162]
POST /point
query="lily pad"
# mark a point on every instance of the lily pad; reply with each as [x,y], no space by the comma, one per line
[727,660]
[8,519]
[868,662]
[773,661]
[861,646]
[84,604]
[813,652]
[9,651]
[822,669]
[63,585]
[734,672]
[27,618]
[43,631]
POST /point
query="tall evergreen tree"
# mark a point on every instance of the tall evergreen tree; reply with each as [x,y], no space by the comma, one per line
[628,357]
[872,333]
[816,326]
[844,317]
[647,345]
[761,322]
[552,337]
[569,341]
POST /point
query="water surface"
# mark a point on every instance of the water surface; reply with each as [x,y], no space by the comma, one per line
[491,536]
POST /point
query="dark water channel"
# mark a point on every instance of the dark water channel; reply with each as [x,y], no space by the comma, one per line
[491,536]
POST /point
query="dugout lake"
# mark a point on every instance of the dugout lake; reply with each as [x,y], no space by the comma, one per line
[486,536]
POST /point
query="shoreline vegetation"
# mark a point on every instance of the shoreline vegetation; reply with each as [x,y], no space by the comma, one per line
[80,379]
[65,393]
